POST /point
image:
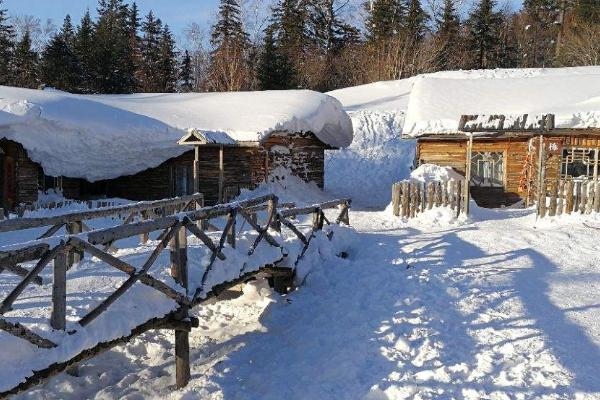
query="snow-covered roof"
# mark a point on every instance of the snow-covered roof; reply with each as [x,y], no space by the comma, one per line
[438,101]
[377,96]
[102,137]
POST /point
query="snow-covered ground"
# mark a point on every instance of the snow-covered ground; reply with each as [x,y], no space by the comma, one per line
[494,307]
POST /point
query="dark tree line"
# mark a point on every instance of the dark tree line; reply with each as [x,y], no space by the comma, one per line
[117,53]
[305,44]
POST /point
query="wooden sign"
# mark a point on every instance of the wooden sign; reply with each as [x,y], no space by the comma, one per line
[506,123]
[554,146]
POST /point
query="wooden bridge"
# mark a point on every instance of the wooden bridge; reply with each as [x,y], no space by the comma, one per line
[204,260]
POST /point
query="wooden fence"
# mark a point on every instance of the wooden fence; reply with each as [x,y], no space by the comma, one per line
[566,196]
[174,232]
[409,198]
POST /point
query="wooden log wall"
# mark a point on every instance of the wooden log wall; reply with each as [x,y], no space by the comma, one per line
[27,172]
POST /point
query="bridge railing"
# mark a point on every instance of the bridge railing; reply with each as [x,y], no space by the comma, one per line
[174,231]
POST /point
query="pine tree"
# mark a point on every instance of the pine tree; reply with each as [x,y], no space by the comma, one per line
[327,30]
[113,67]
[60,67]
[229,59]
[274,71]
[186,79]
[416,22]
[385,19]
[24,64]
[167,66]
[448,35]
[6,46]
[133,27]
[484,38]
[150,56]
[83,48]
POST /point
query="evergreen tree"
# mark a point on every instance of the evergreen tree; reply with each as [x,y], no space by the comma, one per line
[112,67]
[327,30]
[6,46]
[83,48]
[24,64]
[133,27]
[448,35]
[229,58]
[385,18]
[274,69]
[416,22]
[60,66]
[150,57]
[186,79]
[167,61]
[484,38]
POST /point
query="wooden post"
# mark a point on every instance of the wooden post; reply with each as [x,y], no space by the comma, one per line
[553,199]
[196,169]
[569,199]
[541,195]
[144,237]
[405,199]
[576,196]
[221,174]
[583,197]
[179,271]
[430,192]
[445,194]
[75,256]
[591,192]
[597,197]
[59,290]
[231,232]
[396,199]
[459,197]
[561,195]
[467,186]
[451,194]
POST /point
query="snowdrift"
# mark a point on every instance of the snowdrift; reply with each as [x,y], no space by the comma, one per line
[76,135]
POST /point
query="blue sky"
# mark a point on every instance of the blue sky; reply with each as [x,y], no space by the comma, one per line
[177,13]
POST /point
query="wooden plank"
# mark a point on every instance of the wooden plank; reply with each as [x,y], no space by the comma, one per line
[597,197]
[438,194]
[430,195]
[58,319]
[51,231]
[203,237]
[20,331]
[26,223]
[561,195]
[232,227]
[569,197]
[405,199]
[553,199]
[583,197]
[396,199]
[46,258]
[467,186]
[92,315]
[221,174]
[109,235]
[30,253]
[178,257]
[295,230]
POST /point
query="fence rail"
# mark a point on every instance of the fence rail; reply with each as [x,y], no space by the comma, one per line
[566,196]
[174,232]
[411,198]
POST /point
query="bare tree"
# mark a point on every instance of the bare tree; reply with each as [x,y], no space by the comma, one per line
[40,31]
[581,46]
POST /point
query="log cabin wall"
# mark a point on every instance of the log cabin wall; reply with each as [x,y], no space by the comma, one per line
[20,175]
[452,153]
[303,154]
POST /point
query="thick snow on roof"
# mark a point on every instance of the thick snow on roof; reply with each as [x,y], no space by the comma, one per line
[378,96]
[438,100]
[102,137]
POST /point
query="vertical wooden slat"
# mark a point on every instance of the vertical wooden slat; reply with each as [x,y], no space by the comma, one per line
[395,200]
[569,197]
[422,196]
[561,194]
[553,199]
[576,197]
[583,197]
[59,290]
[445,194]
[589,208]
[459,197]
[221,174]
[467,184]
[405,199]
[231,232]
[144,237]
[597,197]
[430,195]
[541,195]
[451,193]
[438,194]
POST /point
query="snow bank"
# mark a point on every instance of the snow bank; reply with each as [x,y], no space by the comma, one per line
[75,135]
[378,157]
[437,101]
[434,173]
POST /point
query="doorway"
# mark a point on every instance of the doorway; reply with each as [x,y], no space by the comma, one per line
[487,169]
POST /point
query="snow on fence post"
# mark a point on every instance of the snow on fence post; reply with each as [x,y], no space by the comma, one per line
[59,289]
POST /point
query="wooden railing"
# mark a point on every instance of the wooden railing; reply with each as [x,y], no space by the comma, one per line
[566,196]
[409,198]
[174,236]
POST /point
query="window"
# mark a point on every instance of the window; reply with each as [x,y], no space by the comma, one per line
[487,169]
[578,163]
[184,180]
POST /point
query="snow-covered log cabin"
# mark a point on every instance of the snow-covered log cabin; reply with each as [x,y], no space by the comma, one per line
[135,146]
[509,114]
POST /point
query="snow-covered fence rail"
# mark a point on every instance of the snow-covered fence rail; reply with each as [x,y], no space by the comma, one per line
[74,222]
[410,198]
[566,196]
[194,284]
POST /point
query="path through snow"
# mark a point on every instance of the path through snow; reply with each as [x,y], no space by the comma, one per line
[494,308]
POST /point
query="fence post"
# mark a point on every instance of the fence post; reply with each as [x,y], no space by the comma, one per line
[318,220]
[569,199]
[395,200]
[144,237]
[597,197]
[59,290]
[405,199]
[272,210]
[553,199]
[430,195]
[459,198]
[451,196]
[75,255]
[583,198]
[561,195]
[179,271]
[231,232]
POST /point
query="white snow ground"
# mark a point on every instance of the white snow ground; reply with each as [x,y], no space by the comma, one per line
[494,307]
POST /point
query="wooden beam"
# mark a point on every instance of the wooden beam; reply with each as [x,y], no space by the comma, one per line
[467,188]
[221,174]
[20,331]
[541,194]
